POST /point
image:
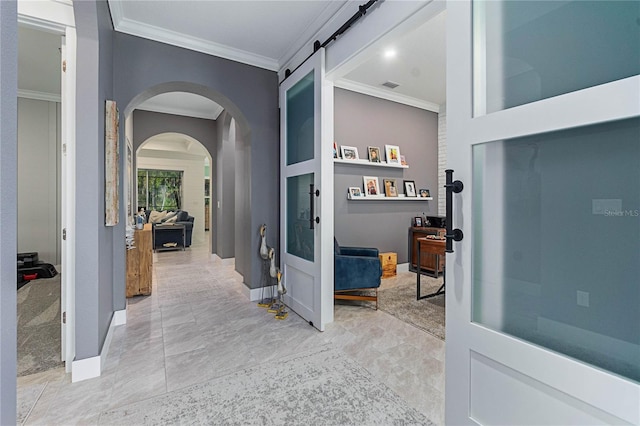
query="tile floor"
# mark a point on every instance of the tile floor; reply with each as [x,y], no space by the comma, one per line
[198,325]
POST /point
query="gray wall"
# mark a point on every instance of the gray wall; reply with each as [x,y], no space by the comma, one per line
[100,252]
[39,178]
[225,189]
[363,121]
[8,199]
[242,205]
[144,68]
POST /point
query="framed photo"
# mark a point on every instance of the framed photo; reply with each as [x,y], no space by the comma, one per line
[371,187]
[424,193]
[417,221]
[403,160]
[355,192]
[374,154]
[335,150]
[390,188]
[410,188]
[349,152]
[393,154]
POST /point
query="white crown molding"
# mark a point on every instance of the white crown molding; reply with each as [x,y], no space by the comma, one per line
[186,112]
[173,38]
[323,21]
[384,94]
[52,16]
[40,96]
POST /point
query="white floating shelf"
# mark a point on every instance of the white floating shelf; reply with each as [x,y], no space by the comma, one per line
[369,163]
[398,198]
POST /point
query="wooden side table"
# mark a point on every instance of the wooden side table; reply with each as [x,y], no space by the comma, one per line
[140,263]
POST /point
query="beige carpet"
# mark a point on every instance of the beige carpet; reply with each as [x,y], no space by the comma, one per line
[39,342]
[397,296]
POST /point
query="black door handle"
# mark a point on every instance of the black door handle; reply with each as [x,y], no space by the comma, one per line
[451,234]
[312,215]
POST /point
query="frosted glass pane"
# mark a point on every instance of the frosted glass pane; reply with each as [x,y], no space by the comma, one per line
[300,121]
[525,51]
[300,238]
[556,244]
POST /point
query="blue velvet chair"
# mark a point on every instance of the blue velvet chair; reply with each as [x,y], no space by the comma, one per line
[357,269]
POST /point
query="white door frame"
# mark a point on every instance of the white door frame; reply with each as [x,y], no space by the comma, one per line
[477,356]
[320,313]
[57,17]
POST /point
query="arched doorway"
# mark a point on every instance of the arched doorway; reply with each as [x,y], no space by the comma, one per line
[182,154]
[228,144]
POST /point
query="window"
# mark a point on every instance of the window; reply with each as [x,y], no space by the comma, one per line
[160,189]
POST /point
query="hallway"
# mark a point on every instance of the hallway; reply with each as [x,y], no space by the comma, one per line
[198,326]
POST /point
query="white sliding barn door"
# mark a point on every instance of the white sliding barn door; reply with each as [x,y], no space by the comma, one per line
[543,292]
[306,153]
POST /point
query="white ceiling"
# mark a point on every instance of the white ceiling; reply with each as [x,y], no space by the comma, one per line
[182,103]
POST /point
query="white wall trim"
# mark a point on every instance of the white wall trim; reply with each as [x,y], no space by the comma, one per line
[120,317]
[402,267]
[256,294]
[173,38]
[39,96]
[384,94]
[85,369]
[89,368]
[51,16]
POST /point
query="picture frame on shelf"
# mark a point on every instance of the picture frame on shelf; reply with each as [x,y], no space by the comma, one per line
[371,186]
[349,152]
[410,188]
[392,153]
[335,150]
[403,161]
[390,187]
[374,154]
[424,193]
[417,222]
[355,192]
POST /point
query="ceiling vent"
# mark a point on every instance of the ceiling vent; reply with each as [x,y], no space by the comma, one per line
[390,84]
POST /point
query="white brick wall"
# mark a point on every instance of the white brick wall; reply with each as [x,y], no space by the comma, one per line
[442,158]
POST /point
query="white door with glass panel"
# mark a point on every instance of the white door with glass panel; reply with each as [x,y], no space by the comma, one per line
[306,188]
[543,291]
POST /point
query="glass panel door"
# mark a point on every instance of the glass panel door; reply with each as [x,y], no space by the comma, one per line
[543,294]
[300,215]
[306,225]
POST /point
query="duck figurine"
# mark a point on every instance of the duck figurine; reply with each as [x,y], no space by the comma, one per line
[264,251]
[272,266]
[281,288]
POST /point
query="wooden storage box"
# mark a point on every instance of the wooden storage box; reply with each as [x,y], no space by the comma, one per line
[389,263]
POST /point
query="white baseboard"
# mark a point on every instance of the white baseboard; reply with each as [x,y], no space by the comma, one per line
[256,294]
[89,368]
[120,317]
[85,369]
[402,267]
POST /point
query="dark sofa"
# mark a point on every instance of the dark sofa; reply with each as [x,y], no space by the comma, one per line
[168,235]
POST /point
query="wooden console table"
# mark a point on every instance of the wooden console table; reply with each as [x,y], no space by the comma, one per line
[432,247]
[140,263]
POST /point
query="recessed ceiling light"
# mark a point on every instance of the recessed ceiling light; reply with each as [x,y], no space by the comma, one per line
[390,53]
